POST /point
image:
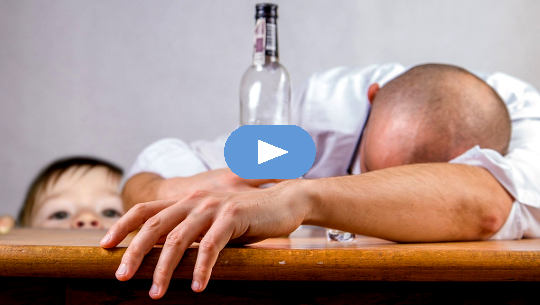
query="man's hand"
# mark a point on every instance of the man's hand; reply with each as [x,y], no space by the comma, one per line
[216,216]
[219,180]
[146,187]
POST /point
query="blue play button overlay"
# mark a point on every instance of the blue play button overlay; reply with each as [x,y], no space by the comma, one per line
[269,151]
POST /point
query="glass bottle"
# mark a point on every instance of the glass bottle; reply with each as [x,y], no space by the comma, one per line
[338,235]
[265,89]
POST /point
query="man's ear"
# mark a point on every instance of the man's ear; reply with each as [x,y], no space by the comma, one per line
[372,91]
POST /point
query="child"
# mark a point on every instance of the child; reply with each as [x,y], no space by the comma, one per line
[6,223]
[74,193]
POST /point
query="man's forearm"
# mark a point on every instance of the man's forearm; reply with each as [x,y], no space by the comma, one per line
[142,187]
[146,186]
[420,202]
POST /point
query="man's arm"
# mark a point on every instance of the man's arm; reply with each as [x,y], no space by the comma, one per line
[145,186]
[421,202]
[142,187]
[169,158]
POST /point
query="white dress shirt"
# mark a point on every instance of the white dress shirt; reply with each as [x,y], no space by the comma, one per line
[333,107]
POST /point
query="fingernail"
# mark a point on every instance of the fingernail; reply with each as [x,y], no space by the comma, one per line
[122,269]
[154,290]
[105,239]
[196,286]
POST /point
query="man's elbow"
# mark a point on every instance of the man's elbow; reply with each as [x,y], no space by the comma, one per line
[492,208]
[491,222]
[489,225]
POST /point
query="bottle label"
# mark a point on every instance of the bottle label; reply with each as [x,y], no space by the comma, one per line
[259,45]
[271,39]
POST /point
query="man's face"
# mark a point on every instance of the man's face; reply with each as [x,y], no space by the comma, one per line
[81,198]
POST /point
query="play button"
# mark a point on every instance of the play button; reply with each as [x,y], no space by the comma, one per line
[269,151]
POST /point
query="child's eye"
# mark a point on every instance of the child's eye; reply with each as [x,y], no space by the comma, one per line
[59,215]
[111,213]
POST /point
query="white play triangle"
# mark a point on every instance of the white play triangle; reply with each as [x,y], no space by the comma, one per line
[267,152]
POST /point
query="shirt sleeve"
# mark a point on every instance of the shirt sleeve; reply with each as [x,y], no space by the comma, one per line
[517,172]
[172,157]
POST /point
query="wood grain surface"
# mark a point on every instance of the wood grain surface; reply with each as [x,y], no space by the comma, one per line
[76,254]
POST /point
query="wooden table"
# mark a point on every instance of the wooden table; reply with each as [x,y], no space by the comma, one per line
[61,266]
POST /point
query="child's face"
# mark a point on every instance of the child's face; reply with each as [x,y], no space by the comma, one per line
[81,198]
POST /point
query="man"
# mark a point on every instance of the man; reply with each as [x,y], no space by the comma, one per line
[424,117]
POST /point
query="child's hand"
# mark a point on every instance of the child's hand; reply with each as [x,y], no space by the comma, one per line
[6,223]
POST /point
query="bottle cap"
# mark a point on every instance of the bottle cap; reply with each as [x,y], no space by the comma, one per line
[266,10]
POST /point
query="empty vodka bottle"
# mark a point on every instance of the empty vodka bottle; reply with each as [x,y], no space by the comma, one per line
[337,235]
[265,89]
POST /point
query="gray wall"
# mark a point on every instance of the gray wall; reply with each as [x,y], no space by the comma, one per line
[109,77]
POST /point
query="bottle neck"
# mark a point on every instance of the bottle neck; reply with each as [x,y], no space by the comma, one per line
[265,46]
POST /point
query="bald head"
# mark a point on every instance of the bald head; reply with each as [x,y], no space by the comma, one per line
[432,113]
